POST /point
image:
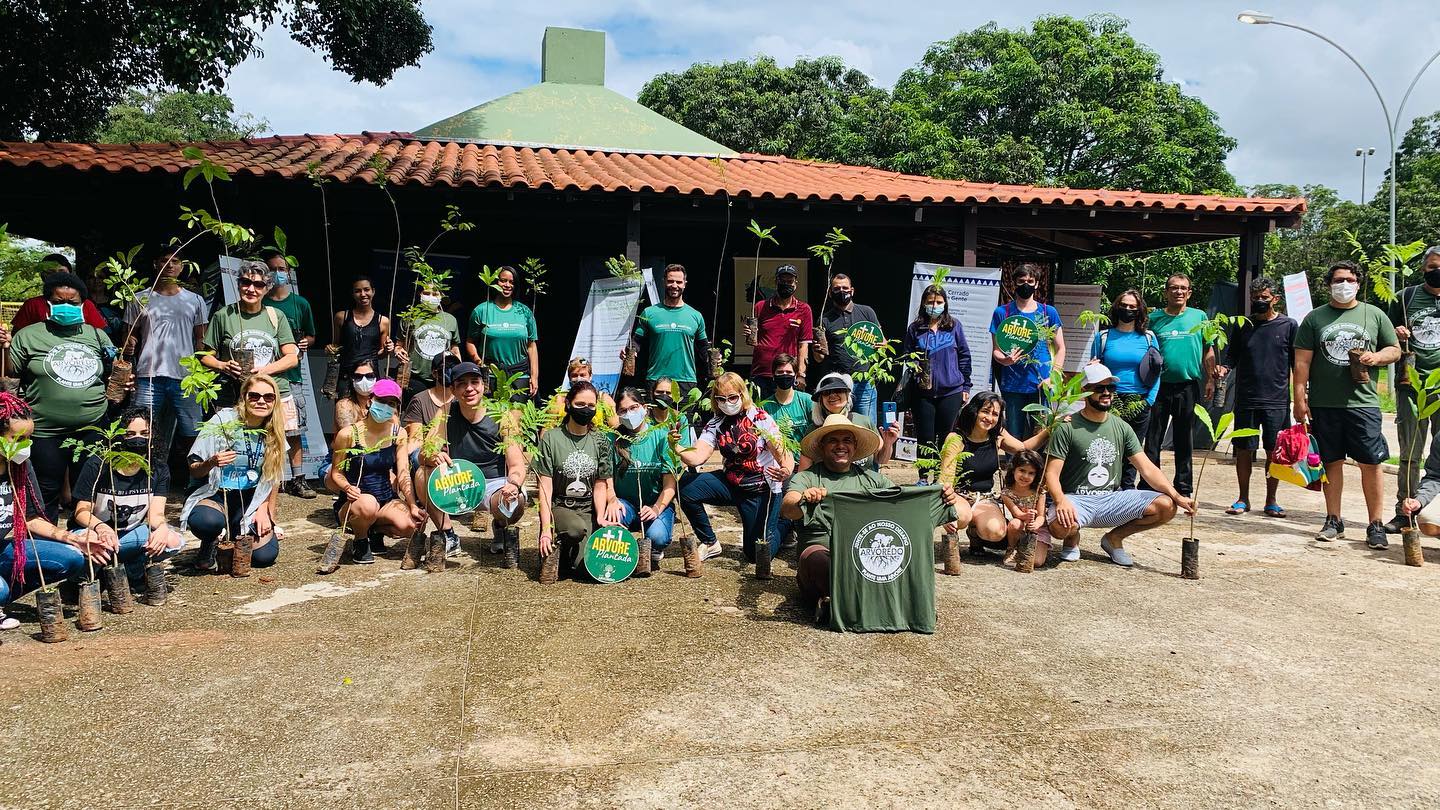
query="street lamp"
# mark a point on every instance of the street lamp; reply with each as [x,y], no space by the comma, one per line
[1392,123]
[1364,154]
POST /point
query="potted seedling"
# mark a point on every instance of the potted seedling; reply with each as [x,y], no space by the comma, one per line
[1427,403]
[330,560]
[947,462]
[1218,432]
[108,447]
[1065,394]
[825,252]
[762,235]
[202,384]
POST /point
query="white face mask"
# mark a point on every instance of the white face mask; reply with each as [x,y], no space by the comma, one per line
[21,456]
[364,386]
[731,408]
[633,418]
[1344,291]
[431,301]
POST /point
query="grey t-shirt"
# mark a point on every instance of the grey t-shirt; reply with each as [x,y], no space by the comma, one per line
[168,333]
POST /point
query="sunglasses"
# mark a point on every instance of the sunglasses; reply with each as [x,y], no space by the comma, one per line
[358,377]
[256,396]
[731,398]
[257,283]
[1106,388]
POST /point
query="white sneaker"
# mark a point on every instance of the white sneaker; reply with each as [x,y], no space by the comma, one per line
[8,622]
[708,550]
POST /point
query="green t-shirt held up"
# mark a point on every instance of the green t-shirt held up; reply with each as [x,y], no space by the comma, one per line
[1094,453]
[1331,333]
[1182,348]
[503,335]
[671,348]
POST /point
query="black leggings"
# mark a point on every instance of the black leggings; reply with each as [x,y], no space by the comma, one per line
[52,462]
[935,417]
[209,524]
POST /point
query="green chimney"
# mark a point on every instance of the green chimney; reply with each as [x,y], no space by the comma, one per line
[573,56]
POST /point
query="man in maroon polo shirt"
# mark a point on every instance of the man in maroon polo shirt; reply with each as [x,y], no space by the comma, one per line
[785,325]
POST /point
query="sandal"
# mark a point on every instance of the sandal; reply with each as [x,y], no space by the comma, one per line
[1274,510]
[1238,508]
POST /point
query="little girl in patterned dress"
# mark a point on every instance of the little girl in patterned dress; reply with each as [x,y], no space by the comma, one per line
[1025,504]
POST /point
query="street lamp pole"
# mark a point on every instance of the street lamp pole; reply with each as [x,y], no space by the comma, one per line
[1364,154]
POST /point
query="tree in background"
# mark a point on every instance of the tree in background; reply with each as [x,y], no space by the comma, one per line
[154,115]
[69,61]
[20,267]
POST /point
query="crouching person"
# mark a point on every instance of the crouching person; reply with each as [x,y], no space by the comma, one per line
[573,466]
[240,453]
[836,450]
[1086,458]
[468,432]
[645,472]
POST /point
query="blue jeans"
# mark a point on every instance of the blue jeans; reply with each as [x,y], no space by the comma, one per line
[61,561]
[174,412]
[759,511]
[132,551]
[1018,423]
[862,399]
[659,531]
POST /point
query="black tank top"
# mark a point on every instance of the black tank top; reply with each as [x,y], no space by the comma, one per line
[977,473]
[358,343]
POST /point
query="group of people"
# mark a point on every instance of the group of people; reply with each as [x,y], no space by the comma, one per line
[410,401]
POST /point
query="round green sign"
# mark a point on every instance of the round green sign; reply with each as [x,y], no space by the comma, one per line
[611,554]
[458,488]
[864,340]
[1017,332]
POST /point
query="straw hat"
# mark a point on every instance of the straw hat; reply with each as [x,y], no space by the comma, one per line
[867,441]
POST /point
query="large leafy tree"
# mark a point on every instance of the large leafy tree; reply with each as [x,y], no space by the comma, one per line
[149,116]
[68,61]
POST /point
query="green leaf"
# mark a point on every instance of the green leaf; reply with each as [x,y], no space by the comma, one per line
[1243,433]
[1224,423]
[1204,417]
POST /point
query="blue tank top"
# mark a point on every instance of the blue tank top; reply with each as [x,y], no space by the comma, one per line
[375,468]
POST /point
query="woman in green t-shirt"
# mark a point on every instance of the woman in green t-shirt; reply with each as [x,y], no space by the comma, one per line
[645,474]
[572,464]
[503,333]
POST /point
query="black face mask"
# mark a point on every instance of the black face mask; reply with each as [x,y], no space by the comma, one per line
[785,289]
[785,381]
[1126,315]
[1260,307]
[840,297]
[1024,290]
[1432,277]
[136,444]
[582,416]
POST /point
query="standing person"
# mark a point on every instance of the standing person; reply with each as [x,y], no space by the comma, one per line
[104,303]
[1336,345]
[754,468]
[503,334]
[1022,376]
[375,488]
[361,333]
[61,365]
[37,309]
[784,323]
[645,474]
[1416,316]
[580,370]
[942,340]
[242,460]
[1260,354]
[301,317]
[1188,361]
[436,336]
[1127,348]
[249,324]
[675,341]
[573,470]
[839,314]
[169,323]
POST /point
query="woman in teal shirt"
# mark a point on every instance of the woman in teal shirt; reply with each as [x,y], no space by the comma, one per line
[503,334]
[645,471]
[1122,347]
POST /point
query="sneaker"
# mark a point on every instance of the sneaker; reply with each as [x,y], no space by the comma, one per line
[360,551]
[1397,524]
[1334,529]
[708,550]
[655,561]
[822,610]
[8,622]
[377,544]
[1071,553]
[300,488]
[1375,535]
[1119,556]
[791,540]
[452,544]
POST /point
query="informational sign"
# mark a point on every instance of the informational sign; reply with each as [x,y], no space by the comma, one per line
[750,287]
[864,339]
[457,489]
[610,309]
[1070,301]
[1017,332]
[611,554]
[1298,302]
[973,293]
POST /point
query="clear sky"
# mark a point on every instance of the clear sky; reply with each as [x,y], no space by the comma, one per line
[1297,107]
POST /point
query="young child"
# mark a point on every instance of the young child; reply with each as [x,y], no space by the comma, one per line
[1025,504]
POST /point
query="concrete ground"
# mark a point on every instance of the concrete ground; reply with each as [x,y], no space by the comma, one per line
[1293,674]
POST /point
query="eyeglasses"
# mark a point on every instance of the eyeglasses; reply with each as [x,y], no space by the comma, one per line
[256,396]
[1104,388]
[1178,289]
[257,283]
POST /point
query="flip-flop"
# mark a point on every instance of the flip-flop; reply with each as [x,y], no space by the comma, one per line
[1238,508]
[1274,510]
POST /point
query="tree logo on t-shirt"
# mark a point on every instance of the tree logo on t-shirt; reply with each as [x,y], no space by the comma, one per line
[431,339]
[1339,338]
[579,467]
[261,344]
[73,365]
[882,551]
[1102,455]
[1425,331]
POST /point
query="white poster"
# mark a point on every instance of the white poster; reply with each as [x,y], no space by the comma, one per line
[974,293]
[1297,296]
[750,287]
[1070,301]
[610,309]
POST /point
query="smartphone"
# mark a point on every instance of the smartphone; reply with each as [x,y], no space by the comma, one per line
[887,414]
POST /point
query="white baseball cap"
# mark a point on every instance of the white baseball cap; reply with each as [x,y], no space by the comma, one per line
[1098,374]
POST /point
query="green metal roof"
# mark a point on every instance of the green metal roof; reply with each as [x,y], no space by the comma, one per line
[572,109]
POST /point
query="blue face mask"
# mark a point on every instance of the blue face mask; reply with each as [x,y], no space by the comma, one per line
[935,310]
[381,412]
[281,278]
[67,314]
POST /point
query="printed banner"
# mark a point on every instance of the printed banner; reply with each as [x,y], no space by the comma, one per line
[1070,301]
[974,292]
[1298,302]
[610,309]
[750,288]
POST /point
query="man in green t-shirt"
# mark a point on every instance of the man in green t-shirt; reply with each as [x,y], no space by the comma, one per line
[1085,459]
[1415,312]
[1188,361]
[249,324]
[1336,344]
[283,296]
[674,335]
[430,336]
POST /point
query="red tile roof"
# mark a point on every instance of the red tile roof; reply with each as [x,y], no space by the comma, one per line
[345,158]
